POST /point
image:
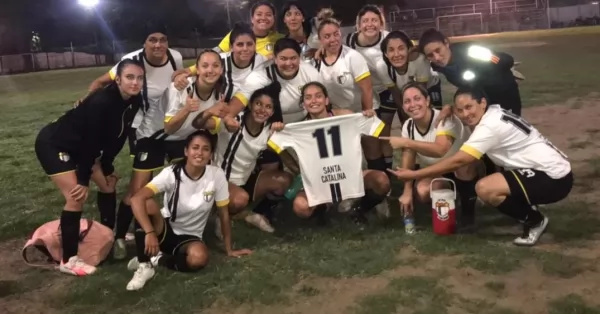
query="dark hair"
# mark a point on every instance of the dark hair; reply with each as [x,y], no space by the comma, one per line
[272,90]
[325,22]
[260,4]
[429,36]
[123,64]
[306,24]
[476,93]
[369,8]
[220,84]
[178,166]
[239,29]
[155,27]
[286,43]
[316,84]
[416,85]
[394,35]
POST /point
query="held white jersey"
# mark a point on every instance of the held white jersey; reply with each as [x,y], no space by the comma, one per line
[373,54]
[237,152]
[188,203]
[234,75]
[341,79]
[453,128]
[418,70]
[511,142]
[177,101]
[289,97]
[158,77]
[330,154]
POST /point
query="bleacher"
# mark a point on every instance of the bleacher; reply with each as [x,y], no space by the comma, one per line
[470,19]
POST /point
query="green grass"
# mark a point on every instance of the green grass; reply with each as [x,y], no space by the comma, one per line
[555,72]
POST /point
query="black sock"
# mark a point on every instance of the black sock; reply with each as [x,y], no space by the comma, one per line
[177,262]
[468,199]
[140,246]
[377,164]
[69,230]
[513,208]
[265,207]
[124,218]
[107,205]
[389,161]
[533,218]
[370,200]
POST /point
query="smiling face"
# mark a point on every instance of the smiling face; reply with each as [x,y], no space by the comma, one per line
[415,104]
[315,101]
[469,110]
[293,19]
[262,109]
[438,53]
[243,48]
[198,151]
[330,37]
[263,19]
[131,80]
[370,24]
[156,45]
[397,52]
[209,68]
[288,62]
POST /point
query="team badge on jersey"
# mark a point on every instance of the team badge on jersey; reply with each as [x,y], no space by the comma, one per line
[143,156]
[64,157]
[341,79]
[209,196]
[442,208]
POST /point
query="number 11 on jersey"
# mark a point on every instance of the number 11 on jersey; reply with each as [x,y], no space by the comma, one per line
[336,143]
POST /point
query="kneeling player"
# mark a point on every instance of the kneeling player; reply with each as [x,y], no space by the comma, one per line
[330,155]
[238,150]
[539,172]
[423,142]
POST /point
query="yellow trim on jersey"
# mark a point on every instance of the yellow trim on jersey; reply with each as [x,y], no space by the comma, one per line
[112,74]
[471,151]
[152,187]
[378,129]
[274,146]
[242,98]
[445,133]
[193,70]
[264,45]
[168,118]
[522,186]
[222,203]
[362,76]
[422,79]
[217,125]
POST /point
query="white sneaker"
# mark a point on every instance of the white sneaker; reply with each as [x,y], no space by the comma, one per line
[532,234]
[260,222]
[76,267]
[345,205]
[144,272]
[383,210]
[129,236]
[134,264]
[218,232]
[119,249]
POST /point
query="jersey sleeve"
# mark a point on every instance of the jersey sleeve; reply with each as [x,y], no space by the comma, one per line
[370,126]
[255,80]
[358,66]
[281,140]
[405,133]
[447,128]
[163,182]
[176,100]
[224,45]
[481,141]
[222,188]
[382,73]
[423,70]
[178,60]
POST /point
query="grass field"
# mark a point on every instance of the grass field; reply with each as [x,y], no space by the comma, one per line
[307,269]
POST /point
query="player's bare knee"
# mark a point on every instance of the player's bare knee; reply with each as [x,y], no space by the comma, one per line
[301,208]
[240,200]
[423,191]
[197,257]
[486,192]
[381,183]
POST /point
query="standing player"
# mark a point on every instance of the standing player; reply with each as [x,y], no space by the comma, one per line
[329,152]
[425,144]
[164,129]
[68,148]
[536,171]
[300,27]
[191,189]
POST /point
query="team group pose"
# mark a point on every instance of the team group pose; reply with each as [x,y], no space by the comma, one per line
[266,117]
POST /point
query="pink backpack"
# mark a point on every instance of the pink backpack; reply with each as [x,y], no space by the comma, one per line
[95,243]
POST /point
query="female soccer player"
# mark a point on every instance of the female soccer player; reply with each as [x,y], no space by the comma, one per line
[68,148]
[315,99]
[537,172]
[426,144]
[191,188]
[164,129]
[302,28]
[465,64]
[238,151]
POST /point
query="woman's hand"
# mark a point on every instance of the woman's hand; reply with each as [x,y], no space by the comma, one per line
[152,247]
[231,124]
[277,126]
[403,174]
[239,253]
[395,141]
[181,81]
[406,203]
[445,115]
[79,193]
[369,113]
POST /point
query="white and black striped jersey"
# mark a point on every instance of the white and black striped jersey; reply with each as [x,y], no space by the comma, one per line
[289,97]
[237,152]
[341,79]
[234,75]
[372,54]
[418,70]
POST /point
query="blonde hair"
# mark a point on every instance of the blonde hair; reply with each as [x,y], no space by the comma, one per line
[325,13]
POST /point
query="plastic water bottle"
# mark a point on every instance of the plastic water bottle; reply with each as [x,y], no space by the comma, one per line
[296,185]
[409,224]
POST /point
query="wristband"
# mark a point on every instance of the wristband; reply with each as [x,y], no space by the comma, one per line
[149,232]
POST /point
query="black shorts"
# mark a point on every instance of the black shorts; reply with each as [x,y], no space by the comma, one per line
[151,153]
[267,156]
[387,104]
[250,184]
[435,95]
[53,159]
[170,243]
[131,140]
[536,187]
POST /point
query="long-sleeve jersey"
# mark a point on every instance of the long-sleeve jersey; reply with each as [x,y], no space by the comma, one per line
[97,126]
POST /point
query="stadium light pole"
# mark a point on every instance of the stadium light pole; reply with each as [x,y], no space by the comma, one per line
[228,13]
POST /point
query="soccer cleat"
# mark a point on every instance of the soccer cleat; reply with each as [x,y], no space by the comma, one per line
[144,272]
[134,264]
[76,267]
[119,249]
[531,234]
[345,205]
[260,222]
